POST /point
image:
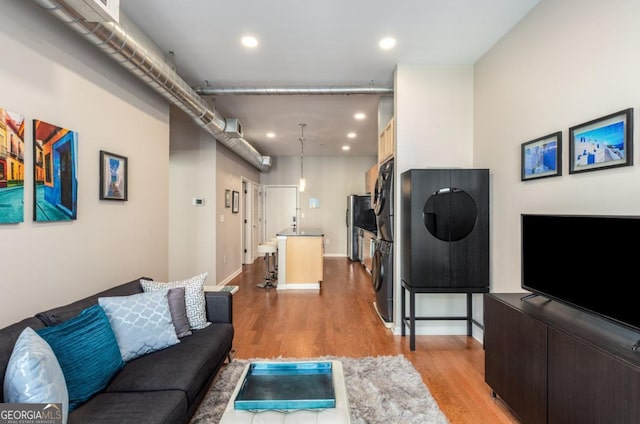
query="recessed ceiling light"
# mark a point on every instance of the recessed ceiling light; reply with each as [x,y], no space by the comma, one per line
[271,135]
[351,135]
[387,43]
[249,41]
[359,116]
[345,147]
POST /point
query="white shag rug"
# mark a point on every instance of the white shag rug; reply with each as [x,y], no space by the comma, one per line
[381,390]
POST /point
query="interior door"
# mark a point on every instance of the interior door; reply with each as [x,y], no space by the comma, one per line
[251,221]
[247,247]
[255,220]
[280,209]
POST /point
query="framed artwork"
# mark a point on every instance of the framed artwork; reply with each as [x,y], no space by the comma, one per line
[235,202]
[542,157]
[12,168]
[113,176]
[227,198]
[605,142]
[55,172]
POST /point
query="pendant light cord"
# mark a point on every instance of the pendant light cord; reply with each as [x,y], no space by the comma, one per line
[302,150]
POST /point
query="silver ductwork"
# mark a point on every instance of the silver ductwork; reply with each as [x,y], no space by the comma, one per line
[292,91]
[141,57]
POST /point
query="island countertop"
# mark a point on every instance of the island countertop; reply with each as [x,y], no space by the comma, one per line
[308,232]
[300,258]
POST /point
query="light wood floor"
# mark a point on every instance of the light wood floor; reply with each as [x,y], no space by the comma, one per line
[340,320]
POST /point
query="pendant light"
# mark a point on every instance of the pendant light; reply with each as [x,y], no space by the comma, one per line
[303,182]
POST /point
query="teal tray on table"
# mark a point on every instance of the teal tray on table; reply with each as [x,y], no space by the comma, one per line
[287,385]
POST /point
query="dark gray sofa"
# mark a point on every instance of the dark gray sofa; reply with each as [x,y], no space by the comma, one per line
[161,387]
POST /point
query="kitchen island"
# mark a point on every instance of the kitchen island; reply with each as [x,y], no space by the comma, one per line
[300,258]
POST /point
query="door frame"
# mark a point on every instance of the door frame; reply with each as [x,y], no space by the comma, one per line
[249,228]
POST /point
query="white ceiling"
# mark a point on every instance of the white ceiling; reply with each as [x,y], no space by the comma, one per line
[304,43]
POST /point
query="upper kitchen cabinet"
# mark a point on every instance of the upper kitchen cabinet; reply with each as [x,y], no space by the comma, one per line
[386,142]
[370,178]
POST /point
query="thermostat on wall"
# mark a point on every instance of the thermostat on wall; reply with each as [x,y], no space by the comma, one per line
[198,201]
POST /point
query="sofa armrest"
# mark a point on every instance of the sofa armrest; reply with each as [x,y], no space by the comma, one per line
[219,307]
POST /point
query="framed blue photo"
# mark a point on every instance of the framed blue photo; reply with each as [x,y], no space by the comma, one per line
[542,157]
[113,176]
[55,172]
[605,142]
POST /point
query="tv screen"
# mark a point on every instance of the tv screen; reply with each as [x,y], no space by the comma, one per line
[589,262]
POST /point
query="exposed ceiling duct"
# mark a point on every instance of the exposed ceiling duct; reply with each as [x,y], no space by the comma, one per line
[142,58]
[292,91]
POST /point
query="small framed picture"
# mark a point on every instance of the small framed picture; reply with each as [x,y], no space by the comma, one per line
[227,198]
[542,157]
[605,142]
[113,176]
[236,202]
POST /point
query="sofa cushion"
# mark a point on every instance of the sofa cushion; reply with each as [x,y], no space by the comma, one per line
[186,366]
[193,296]
[164,407]
[141,322]
[59,315]
[34,374]
[178,309]
[8,337]
[87,351]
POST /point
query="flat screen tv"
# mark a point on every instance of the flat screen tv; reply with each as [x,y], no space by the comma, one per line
[589,262]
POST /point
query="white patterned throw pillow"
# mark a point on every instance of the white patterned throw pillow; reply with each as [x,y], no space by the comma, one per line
[34,375]
[193,297]
[141,322]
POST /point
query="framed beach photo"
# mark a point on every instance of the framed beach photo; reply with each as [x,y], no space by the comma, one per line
[113,176]
[605,142]
[542,157]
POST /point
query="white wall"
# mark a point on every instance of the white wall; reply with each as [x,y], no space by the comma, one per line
[566,63]
[192,174]
[434,116]
[330,179]
[230,171]
[202,236]
[434,129]
[49,72]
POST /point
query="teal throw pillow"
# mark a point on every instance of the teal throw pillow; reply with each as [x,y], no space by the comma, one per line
[34,375]
[87,351]
[141,322]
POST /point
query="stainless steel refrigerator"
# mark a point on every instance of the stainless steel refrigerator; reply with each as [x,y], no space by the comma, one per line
[359,215]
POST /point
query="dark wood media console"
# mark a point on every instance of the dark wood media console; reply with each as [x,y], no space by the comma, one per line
[551,363]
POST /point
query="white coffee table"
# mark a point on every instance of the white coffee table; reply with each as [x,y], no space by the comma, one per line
[338,415]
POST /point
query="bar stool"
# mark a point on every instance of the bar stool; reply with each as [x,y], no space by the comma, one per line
[274,242]
[267,250]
